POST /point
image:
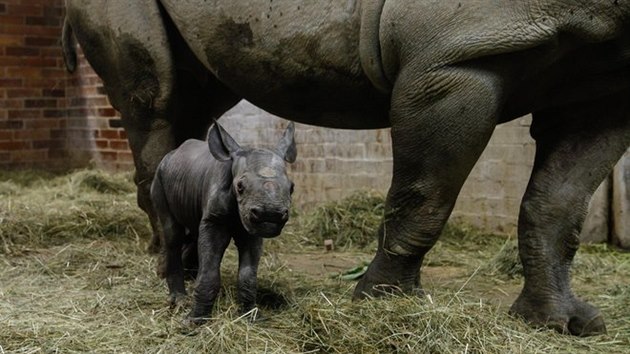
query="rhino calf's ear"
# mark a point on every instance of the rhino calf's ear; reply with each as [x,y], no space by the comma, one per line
[221,144]
[286,146]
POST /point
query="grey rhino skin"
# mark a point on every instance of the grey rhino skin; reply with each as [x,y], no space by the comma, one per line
[441,74]
[205,194]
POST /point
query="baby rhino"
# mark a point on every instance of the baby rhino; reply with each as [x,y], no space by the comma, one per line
[205,198]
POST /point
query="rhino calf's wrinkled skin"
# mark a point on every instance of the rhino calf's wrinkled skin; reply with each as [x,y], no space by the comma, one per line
[205,198]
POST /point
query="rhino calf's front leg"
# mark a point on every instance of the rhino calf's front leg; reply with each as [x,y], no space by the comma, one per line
[249,253]
[212,242]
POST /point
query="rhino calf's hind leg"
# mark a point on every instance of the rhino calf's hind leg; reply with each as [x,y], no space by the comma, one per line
[576,149]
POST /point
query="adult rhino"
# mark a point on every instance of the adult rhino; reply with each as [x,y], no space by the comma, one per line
[441,74]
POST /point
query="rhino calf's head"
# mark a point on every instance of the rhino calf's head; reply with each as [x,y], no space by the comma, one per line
[260,182]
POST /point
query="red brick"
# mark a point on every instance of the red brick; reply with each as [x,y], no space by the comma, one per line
[41,41]
[48,144]
[25,113]
[54,113]
[58,134]
[6,40]
[23,10]
[3,114]
[107,112]
[23,92]
[39,2]
[53,52]
[41,123]
[101,143]
[13,20]
[31,30]
[10,82]
[119,144]
[6,134]
[17,103]
[26,61]
[24,72]
[42,82]
[14,145]
[31,134]
[40,103]
[3,8]
[22,51]
[53,11]
[50,72]
[108,134]
[123,134]
[108,155]
[56,92]
[11,124]
[43,21]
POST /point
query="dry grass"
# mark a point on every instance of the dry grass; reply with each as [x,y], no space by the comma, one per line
[76,278]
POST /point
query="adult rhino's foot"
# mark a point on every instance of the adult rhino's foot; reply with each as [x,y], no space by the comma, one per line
[567,316]
[389,274]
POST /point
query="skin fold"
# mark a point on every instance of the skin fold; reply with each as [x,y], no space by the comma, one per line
[441,74]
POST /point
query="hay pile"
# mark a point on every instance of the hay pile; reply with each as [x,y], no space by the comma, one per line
[76,278]
[351,222]
[48,210]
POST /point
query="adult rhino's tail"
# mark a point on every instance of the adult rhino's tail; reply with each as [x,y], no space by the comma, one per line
[68,44]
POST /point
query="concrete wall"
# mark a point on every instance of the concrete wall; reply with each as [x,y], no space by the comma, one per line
[331,163]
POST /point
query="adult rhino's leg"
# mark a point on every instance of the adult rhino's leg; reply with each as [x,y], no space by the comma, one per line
[194,103]
[172,239]
[576,149]
[441,123]
[164,95]
[131,54]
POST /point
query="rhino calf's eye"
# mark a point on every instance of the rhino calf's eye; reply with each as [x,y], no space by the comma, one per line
[291,188]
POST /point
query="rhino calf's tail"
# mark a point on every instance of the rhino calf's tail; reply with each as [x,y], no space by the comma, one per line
[68,44]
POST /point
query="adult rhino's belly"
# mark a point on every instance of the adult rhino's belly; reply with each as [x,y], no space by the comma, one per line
[299,77]
[297,59]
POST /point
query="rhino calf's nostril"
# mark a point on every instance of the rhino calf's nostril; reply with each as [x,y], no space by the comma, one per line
[256,213]
[285,214]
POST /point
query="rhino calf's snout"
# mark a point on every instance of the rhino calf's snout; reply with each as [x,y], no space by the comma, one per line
[259,214]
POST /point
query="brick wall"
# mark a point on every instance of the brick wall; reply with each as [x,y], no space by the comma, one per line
[49,118]
[32,87]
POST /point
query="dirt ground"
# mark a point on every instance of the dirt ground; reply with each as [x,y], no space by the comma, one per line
[326,264]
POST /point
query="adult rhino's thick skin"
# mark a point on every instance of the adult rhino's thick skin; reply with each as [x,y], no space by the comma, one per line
[205,198]
[441,74]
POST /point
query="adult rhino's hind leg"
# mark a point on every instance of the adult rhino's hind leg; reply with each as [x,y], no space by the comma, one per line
[441,123]
[576,149]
